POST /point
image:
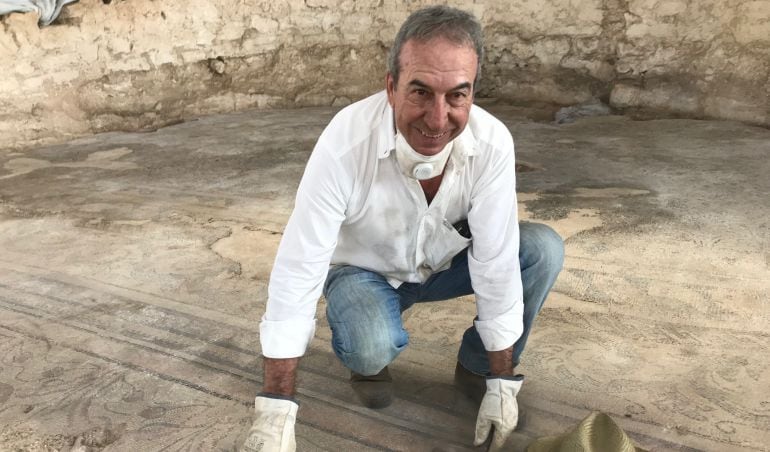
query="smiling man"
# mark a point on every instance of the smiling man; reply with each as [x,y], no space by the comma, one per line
[409,196]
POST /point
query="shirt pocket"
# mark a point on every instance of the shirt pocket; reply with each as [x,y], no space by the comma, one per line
[444,245]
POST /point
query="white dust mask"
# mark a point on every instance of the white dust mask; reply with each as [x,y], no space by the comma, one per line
[418,166]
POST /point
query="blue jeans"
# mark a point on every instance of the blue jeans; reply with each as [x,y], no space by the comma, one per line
[364,310]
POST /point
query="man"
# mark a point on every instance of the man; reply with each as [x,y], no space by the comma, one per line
[410,196]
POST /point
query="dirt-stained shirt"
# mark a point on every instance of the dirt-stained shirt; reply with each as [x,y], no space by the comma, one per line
[354,206]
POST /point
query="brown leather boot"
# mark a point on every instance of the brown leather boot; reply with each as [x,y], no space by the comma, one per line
[374,391]
[471,385]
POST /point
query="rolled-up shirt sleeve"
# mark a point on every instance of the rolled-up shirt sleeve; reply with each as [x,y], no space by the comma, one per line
[493,258]
[303,257]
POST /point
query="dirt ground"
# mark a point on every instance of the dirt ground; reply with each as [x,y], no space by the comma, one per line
[133,271]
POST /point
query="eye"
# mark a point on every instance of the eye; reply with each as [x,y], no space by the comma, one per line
[419,95]
[458,97]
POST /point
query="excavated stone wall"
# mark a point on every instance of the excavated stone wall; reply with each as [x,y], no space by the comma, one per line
[673,57]
[140,64]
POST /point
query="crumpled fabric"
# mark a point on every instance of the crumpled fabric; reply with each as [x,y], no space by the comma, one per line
[48,9]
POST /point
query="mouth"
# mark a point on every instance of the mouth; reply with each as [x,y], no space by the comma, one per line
[433,137]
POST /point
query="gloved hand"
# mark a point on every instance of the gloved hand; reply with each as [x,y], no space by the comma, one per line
[499,410]
[273,428]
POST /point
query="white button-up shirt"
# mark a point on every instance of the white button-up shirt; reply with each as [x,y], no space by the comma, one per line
[354,206]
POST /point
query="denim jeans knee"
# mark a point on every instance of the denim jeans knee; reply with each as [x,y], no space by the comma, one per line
[541,255]
[541,248]
[364,314]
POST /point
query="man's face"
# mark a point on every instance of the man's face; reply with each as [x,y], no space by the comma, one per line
[434,93]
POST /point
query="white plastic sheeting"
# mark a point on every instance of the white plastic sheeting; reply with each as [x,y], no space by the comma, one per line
[48,9]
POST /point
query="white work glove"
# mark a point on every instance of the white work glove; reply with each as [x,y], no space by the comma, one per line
[499,410]
[273,428]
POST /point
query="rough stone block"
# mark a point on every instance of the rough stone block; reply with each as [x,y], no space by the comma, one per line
[221,102]
[579,17]
[753,22]
[742,109]
[670,8]
[161,56]
[24,68]
[315,99]
[63,76]
[8,46]
[244,101]
[120,44]
[134,62]
[8,84]
[192,56]
[322,4]
[56,61]
[263,24]
[33,83]
[23,29]
[661,98]
[649,30]
[550,51]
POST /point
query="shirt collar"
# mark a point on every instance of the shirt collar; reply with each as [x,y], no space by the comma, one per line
[387,141]
[387,136]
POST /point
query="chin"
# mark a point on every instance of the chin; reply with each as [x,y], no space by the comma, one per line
[426,146]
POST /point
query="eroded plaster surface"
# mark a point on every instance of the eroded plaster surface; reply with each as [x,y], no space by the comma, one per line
[134,271]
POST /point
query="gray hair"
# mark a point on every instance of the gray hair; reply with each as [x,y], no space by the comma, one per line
[442,21]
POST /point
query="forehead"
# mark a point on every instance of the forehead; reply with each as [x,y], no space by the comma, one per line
[438,56]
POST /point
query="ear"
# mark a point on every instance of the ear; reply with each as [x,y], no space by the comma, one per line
[390,87]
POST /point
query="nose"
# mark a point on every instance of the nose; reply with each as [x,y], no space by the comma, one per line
[437,114]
